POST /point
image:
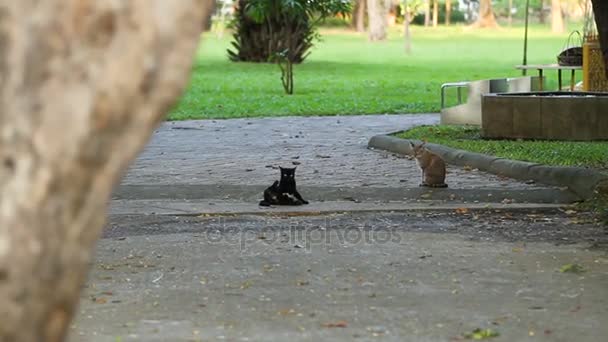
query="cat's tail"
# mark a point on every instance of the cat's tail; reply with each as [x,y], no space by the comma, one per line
[264,203]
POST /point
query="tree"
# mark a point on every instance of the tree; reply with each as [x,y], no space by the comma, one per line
[264,28]
[448,11]
[377,12]
[358,16]
[435,13]
[406,28]
[486,15]
[83,86]
[557,17]
[427,13]
[600,10]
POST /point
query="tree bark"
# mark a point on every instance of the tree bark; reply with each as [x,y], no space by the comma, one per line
[510,14]
[557,17]
[600,11]
[427,13]
[448,12]
[406,28]
[486,15]
[359,16]
[82,85]
[435,13]
[541,12]
[377,12]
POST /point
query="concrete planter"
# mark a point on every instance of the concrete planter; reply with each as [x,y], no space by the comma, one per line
[549,115]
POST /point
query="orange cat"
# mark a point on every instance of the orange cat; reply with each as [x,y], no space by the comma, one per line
[433,167]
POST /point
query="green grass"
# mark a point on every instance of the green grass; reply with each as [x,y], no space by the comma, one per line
[346,74]
[566,153]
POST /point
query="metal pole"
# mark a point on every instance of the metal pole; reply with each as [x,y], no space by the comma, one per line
[525,61]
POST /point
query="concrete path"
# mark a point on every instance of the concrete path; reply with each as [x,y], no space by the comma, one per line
[234,160]
[188,255]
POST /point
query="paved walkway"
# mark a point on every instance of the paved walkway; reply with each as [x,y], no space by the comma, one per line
[329,151]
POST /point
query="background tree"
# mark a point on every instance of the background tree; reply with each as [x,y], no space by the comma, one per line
[83,86]
[358,15]
[486,15]
[557,17]
[264,28]
[427,13]
[406,27]
[448,11]
[435,13]
[377,12]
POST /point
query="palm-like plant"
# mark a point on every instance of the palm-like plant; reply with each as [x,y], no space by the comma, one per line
[264,28]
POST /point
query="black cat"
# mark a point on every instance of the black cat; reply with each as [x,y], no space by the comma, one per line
[283,192]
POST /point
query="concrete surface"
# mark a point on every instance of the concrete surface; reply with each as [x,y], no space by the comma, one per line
[331,152]
[382,276]
[187,254]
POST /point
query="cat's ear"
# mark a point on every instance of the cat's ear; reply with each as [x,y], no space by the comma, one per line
[282,169]
[412,144]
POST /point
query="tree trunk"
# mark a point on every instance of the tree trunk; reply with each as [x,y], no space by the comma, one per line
[359,16]
[600,10]
[448,12]
[377,12]
[83,84]
[541,12]
[486,15]
[557,17]
[435,13]
[427,13]
[510,14]
[406,28]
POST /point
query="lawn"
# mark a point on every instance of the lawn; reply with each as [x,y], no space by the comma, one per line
[346,74]
[585,154]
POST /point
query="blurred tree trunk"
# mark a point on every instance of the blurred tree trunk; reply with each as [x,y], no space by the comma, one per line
[358,21]
[557,17]
[510,14]
[435,13]
[486,15]
[406,28]
[600,10]
[541,12]
[427,13]
[83,85]
[448,11]
[377,12]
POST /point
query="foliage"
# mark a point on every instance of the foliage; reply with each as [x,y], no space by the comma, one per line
[264,28]
[567,153]
[348,75]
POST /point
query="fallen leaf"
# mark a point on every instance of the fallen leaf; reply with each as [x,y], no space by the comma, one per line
[572,268]
[467,168]
[100,300]
[338,324]
[462,210]
[481,334]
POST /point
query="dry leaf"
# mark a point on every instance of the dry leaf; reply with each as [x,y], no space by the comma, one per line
[338,324]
